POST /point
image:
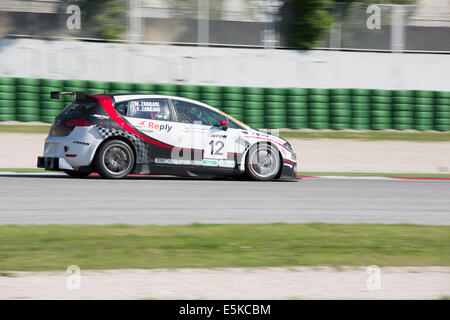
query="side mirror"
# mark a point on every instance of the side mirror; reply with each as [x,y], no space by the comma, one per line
[224,124]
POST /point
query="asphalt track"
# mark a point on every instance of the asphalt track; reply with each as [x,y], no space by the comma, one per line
[58,199]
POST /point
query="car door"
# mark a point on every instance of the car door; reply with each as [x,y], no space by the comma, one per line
[153,118]
[200,130]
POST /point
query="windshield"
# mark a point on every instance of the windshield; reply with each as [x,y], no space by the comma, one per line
[234,122]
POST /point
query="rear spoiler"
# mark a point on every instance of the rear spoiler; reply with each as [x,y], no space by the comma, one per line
[76,95]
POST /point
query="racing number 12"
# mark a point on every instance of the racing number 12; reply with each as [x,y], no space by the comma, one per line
[219,146]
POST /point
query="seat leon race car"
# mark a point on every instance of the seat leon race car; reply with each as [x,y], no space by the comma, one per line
[119,134]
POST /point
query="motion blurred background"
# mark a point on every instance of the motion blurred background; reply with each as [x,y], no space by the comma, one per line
[406,25]
[359,88]
[347,58]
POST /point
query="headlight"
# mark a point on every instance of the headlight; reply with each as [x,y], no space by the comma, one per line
[288,146]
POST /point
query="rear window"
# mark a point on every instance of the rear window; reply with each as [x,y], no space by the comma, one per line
[85,107]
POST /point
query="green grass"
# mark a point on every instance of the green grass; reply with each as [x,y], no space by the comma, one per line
[369,135]
[25,129]
[54,247]
[22,170]
[376,174]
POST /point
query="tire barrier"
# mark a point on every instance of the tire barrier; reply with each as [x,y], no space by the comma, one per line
[28,99]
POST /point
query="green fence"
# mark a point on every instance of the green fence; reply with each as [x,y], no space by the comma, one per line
[24,99]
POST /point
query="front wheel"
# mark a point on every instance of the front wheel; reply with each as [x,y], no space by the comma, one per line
[115,159]
[263,162]
[76,174]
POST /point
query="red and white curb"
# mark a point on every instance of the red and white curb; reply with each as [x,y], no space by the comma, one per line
[57,174]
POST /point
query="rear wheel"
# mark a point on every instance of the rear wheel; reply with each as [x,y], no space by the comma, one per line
[115,159]
[263,162]
[76,174]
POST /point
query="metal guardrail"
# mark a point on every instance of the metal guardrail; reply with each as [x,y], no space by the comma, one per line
[356,26]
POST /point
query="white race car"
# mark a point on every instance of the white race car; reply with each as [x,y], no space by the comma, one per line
[119,134]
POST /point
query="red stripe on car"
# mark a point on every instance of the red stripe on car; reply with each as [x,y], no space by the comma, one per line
[106,103]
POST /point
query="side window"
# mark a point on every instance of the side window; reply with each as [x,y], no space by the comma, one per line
[153,109]
[121,108]
[190,113]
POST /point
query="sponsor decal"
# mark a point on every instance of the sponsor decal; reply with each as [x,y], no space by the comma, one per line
[226,163]
[172,161]
[204,162]
[159,160]
[184,162]
[166,161]
[219,136]
[210,162]
[154,126]
[197,163]
[81,142]
[99,116]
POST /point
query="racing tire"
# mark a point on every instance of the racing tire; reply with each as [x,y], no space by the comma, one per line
[438,94]
[210,96]
[263,162]
[51,83]
[254,98]
[318,91]
[340,92]
[360,99]
[254,90]
[210,89]
[114,159]
[76,174]
[340,99]
[238,90]
[297,91]
[189,95]
[8,81]
[360,92]
[8,89]
[296,99]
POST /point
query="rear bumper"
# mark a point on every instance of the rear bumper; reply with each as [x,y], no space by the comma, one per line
[73,151]
[53,164]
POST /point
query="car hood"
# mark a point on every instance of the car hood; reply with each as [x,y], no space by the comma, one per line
[263,134]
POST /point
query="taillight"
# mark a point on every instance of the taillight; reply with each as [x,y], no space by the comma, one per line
[78,123]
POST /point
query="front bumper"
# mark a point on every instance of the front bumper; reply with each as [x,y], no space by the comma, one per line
[289,170]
